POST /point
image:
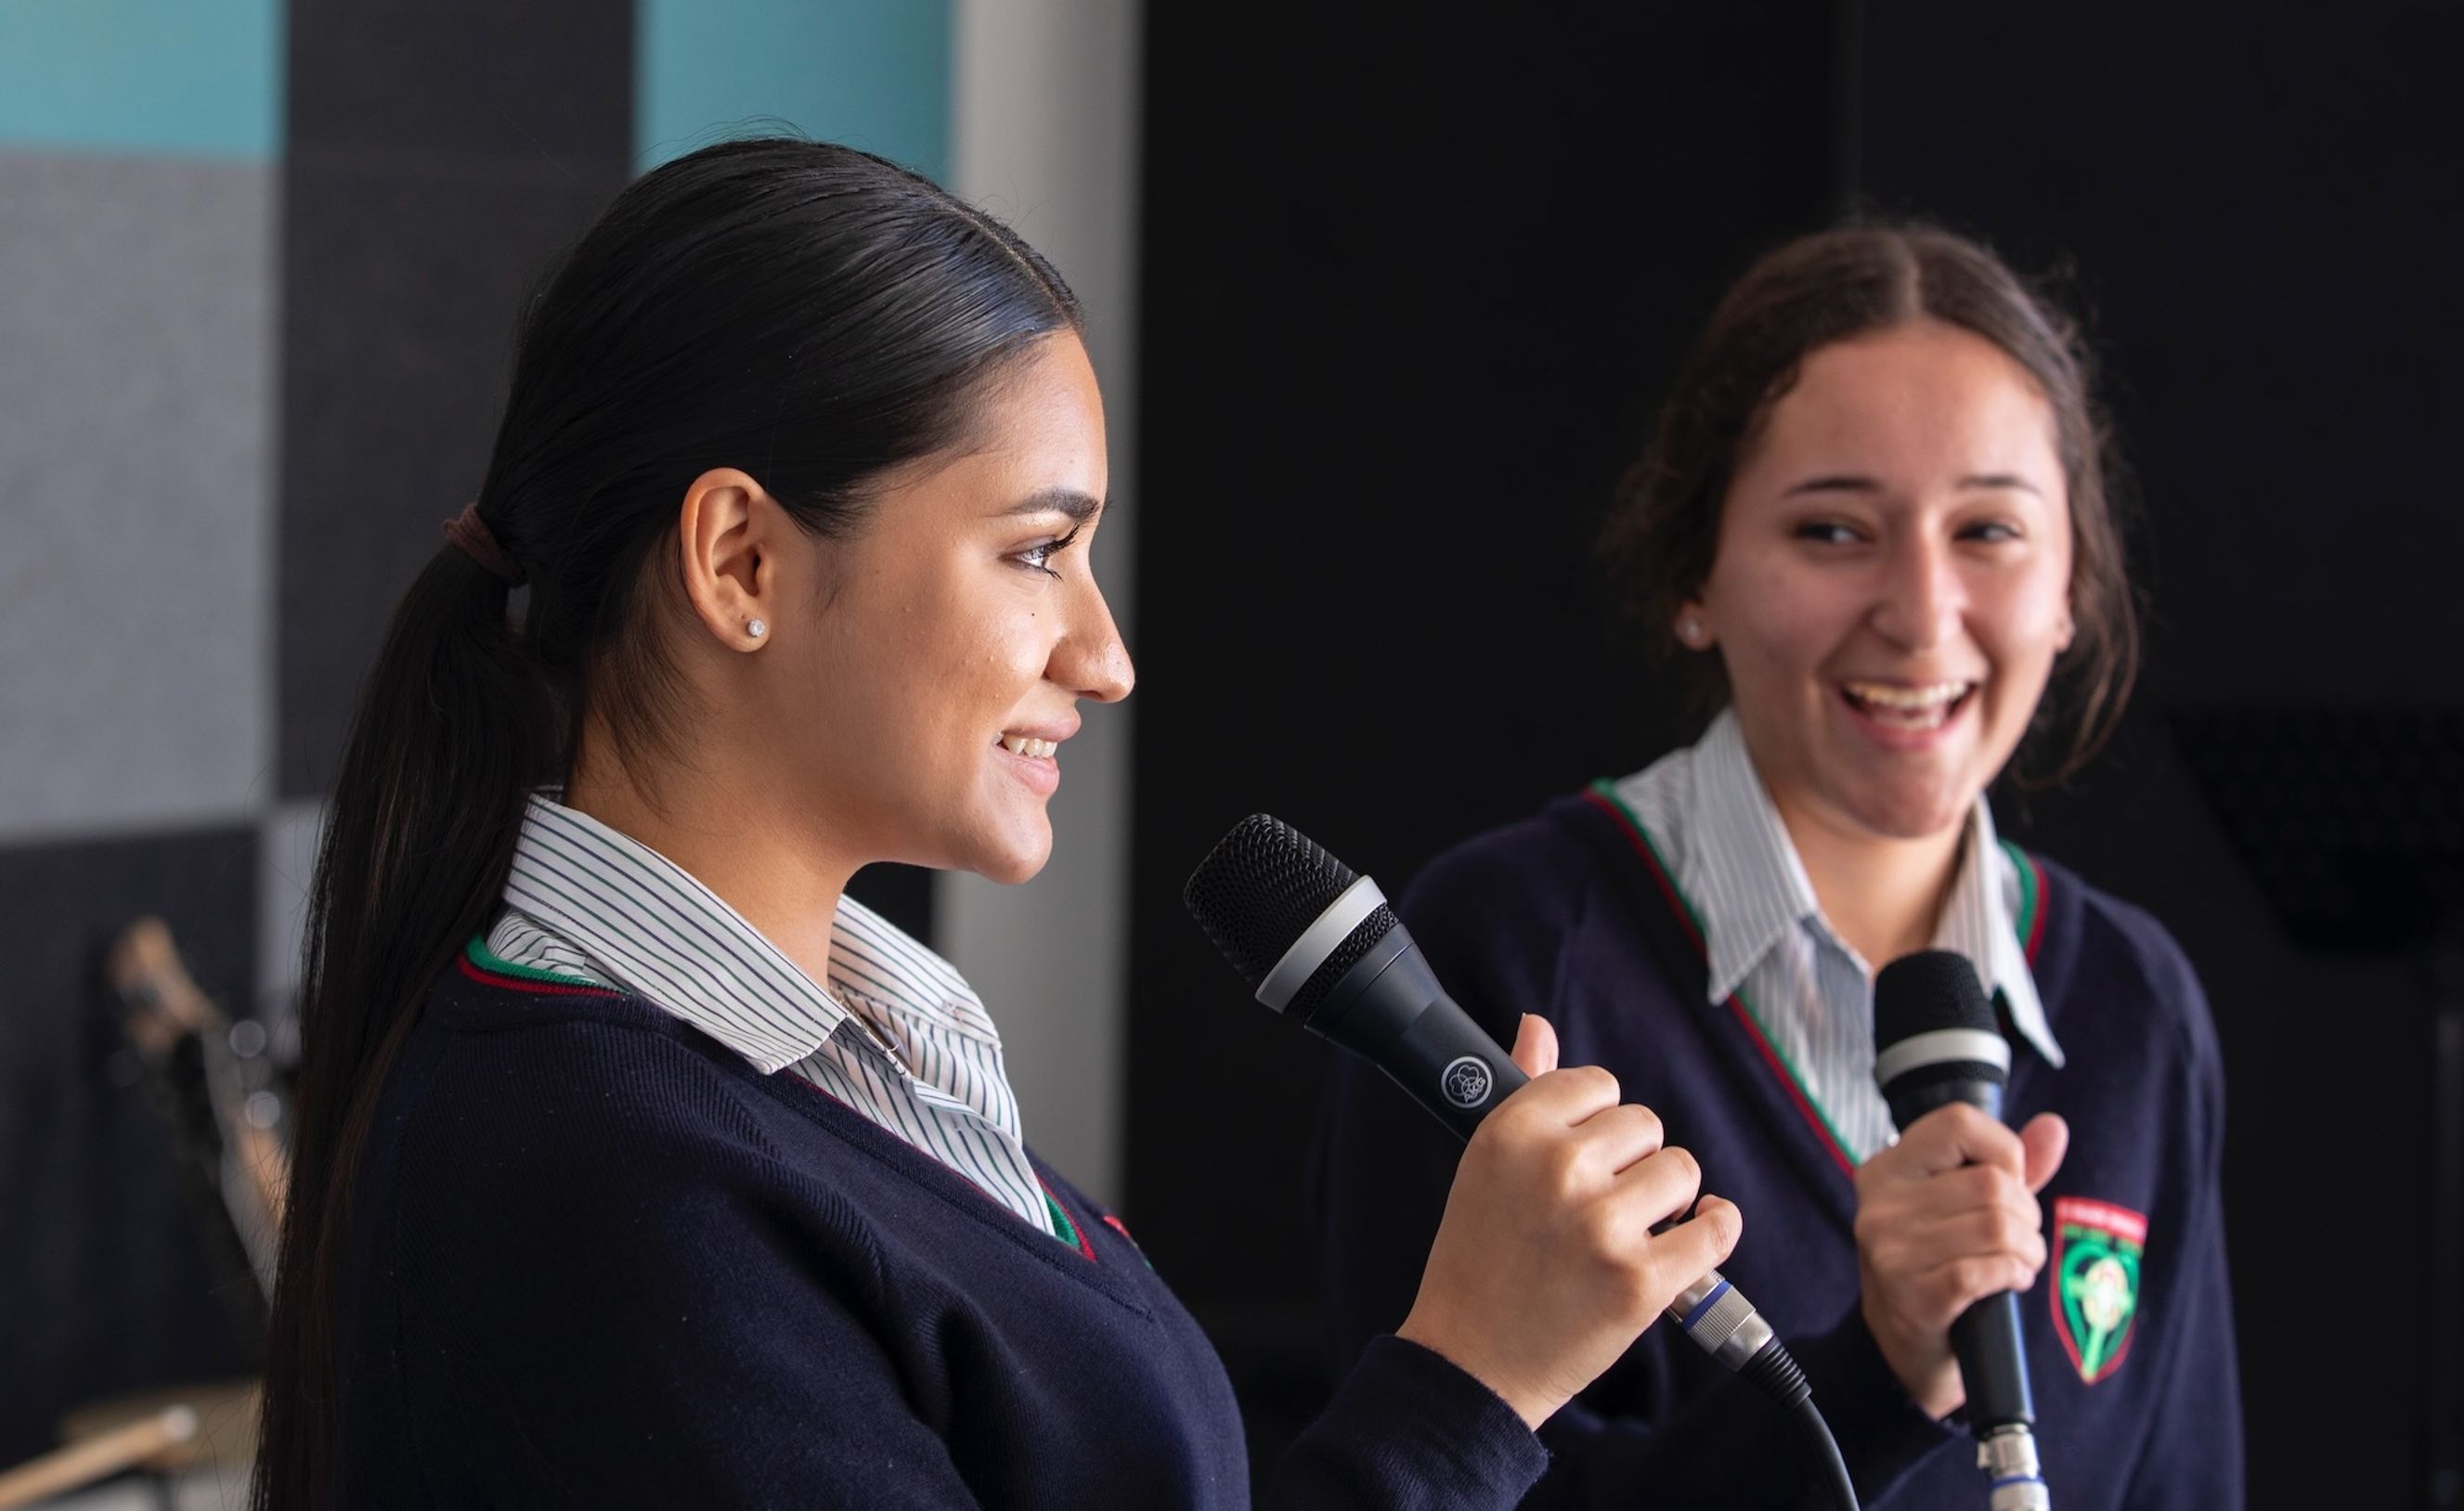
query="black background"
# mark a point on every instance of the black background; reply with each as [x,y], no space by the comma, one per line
[1412,285]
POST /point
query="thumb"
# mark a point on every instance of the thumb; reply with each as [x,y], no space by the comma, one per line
[1535,1046]
[2042,1144]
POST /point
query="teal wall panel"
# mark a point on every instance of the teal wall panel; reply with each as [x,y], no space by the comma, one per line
[873,73]
[180,77]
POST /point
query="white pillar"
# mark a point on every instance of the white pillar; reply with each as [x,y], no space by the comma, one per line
[1044,134]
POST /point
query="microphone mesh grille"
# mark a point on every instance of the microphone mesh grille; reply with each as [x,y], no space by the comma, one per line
[1930,990]
[1263,883]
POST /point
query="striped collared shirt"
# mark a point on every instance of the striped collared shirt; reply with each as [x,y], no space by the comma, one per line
[1770,947]
[896,1033]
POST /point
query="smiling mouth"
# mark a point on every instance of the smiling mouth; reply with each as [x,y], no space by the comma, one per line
[1028,746]
[1928,706]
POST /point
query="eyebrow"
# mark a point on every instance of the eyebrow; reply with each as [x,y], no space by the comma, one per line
[1079,507]
[1854,483]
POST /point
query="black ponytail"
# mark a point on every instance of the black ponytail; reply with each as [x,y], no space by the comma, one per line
[807,313]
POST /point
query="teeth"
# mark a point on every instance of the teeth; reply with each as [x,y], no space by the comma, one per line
[1908,699]
[1029,746]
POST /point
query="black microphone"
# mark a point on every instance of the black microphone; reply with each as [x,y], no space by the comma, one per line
[1318,943]
[1936,1041]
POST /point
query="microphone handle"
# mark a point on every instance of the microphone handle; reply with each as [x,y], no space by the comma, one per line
[1389,1009]
[1994,1372]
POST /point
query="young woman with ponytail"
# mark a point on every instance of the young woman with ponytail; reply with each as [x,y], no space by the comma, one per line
[636,1166]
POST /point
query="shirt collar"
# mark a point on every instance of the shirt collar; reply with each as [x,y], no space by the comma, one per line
[1742,871]
[651,928]
[1740,868]
[1980,922]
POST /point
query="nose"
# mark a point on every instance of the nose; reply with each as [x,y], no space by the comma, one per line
[1919,599]
[1091,660]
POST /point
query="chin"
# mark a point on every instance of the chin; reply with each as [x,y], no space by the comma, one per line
[1012,870]
[1010,858]
[1912,815]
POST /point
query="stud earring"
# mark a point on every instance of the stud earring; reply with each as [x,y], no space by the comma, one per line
[1690,630]
[756,628]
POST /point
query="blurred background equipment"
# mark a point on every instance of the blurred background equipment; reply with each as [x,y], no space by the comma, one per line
[190,1447]
[212,1084]
[143,1443]
[223,1115]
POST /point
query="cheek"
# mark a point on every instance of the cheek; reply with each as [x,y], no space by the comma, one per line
[1774,622]
[979,671]
[2023,625]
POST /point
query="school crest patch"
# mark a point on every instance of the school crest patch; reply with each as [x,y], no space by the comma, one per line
[2097,1252]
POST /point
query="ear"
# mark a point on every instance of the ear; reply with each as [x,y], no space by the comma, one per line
[2068,630]
[728,540]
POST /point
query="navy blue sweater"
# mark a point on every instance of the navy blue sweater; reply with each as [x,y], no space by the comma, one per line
[595,1260]
[1544,916]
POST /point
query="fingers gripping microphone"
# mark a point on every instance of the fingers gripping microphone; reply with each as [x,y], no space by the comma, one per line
[1936,1041]
[1318,943]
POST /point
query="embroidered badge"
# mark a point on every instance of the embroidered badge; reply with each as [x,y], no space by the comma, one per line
[2096,1250]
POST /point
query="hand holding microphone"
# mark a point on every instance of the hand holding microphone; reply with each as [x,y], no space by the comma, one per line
[1546,1268]
[1945,1218]
[1553,1252]
[1950,1238]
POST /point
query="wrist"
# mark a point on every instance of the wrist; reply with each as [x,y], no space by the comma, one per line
[1922,1362]
[1535,1406]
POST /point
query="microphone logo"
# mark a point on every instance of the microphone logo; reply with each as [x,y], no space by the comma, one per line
[1466,1082]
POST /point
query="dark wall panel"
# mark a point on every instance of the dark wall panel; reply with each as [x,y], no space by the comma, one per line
[1410,287]
[104,1286]
[439,157]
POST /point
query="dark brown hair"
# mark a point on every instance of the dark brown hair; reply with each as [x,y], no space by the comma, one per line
[809,313]
[1663,526]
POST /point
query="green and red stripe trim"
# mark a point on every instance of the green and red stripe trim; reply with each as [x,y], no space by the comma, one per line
[2030,922]
[484,965]
[1070,1233]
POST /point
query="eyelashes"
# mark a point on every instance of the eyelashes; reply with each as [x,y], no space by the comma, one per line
[1832,532]
[1035,556]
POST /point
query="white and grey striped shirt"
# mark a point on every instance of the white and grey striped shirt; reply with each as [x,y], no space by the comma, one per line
[896,1034]
[1812,996]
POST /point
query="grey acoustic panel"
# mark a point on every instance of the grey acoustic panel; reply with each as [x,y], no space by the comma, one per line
[136,313]
[550,80]
[103,1286]
[401,283]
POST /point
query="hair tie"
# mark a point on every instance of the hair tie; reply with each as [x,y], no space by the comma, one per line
[472,534]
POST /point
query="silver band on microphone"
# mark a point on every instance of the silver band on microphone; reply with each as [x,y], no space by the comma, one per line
[1318,941]
[1941,1046]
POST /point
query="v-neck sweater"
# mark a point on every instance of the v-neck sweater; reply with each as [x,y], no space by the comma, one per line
[1541,916]
[891,1029]
[595,1258]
